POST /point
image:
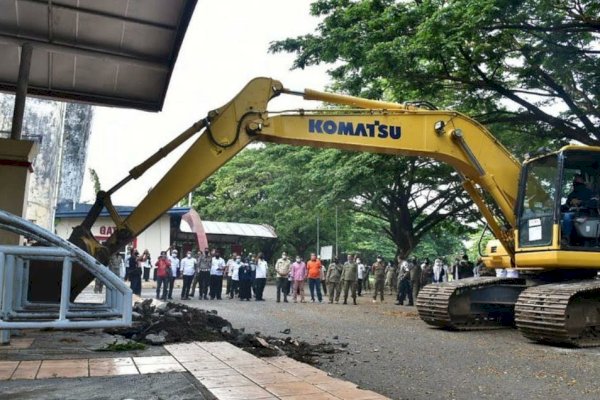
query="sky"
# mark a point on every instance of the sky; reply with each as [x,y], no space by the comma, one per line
[226,45]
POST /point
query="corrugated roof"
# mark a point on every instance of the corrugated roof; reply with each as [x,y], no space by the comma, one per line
[233,229]
[80,210]
[106,52]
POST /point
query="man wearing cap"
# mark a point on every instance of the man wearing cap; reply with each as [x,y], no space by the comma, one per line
[349,277]
[282,269]
[378,269]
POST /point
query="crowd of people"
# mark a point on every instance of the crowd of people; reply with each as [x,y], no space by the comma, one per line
[246,276]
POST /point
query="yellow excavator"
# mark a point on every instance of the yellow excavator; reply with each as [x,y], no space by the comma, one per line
[553,241]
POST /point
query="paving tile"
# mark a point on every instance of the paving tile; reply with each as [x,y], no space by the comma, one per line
[241,393]
[26,370]
[199,366]
[113,370]
[292,388]
[193,357]
[121,361]
[154,360]
[305,373]
[66,363]
[7,368]
[70,368]
[247,363]
[248,369]
[284,362]
[278,377]
[160,368]
[62,372]
[206,373]
[319,378]
[314,396]
[335,385]
[225,381]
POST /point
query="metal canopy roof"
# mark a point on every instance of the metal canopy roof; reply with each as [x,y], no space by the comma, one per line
[233,229]
[105,52]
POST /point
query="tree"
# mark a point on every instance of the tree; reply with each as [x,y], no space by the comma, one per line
[410,196]
[287,187]
[531,65]
[95,180]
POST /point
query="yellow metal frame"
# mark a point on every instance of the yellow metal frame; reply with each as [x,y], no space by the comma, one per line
[385,127]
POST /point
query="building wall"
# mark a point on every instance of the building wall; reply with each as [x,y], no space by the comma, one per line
[62,131]
[155,238]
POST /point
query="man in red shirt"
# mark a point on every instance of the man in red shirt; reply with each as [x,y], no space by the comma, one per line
[314,276]
[163,274]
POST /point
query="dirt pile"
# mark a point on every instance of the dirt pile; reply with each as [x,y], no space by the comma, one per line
[159,323]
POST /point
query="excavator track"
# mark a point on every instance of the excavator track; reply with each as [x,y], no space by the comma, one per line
[562,313]
[470,304]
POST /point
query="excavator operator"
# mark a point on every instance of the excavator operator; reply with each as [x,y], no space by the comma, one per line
[580,196]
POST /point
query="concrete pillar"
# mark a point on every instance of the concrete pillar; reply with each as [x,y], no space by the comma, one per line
[15,169]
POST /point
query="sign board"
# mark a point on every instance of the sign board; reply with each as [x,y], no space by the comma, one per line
[326,252]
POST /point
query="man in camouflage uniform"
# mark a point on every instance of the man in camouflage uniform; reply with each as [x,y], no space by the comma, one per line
[334,274]
[378,269]
[349,278]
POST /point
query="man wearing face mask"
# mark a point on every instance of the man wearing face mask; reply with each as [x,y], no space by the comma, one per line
[216,276]
[349,278]
[188,269]
[282,269]
[202,277]
[298,277]
[378,269]
[235,276]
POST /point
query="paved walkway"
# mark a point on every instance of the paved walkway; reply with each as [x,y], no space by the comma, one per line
[230,373]
[226,371]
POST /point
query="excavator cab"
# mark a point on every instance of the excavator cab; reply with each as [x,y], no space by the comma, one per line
[559,209]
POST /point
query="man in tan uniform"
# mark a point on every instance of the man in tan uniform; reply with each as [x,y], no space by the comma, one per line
[378,269]
[349,278]
[334,274]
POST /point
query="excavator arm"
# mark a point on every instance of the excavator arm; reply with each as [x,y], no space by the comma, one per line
[363,125]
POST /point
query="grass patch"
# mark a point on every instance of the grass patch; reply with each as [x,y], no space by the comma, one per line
[129,346]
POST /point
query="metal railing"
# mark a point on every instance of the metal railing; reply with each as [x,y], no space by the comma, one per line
[17,312]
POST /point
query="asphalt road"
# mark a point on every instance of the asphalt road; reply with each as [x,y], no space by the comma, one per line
[391,351]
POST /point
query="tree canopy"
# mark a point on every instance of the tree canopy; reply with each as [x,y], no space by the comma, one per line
[532,65]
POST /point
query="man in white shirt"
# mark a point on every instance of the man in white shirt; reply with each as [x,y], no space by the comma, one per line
[235,276]
[217,268]
[229,271]
[173,257]
[361,275]
[260,279]
[188,269]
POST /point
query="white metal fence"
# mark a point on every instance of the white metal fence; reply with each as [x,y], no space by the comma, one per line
[17,312]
